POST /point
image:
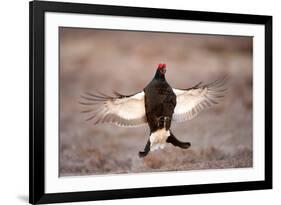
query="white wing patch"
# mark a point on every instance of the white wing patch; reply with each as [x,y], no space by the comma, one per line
[120,109]
[192,101]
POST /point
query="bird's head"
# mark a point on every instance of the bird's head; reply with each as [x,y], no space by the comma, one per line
[161,70]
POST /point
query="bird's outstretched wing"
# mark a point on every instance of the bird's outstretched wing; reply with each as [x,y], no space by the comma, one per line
[193,100]
[122,110]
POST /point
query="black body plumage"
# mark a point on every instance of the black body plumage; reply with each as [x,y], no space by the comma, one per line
[160,102]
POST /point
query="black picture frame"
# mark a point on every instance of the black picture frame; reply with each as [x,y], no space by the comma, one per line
[37,9]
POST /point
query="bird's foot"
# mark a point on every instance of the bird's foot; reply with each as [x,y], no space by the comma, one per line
[142,154]
[146,150]
[174,141]
[163,120]
[185,145]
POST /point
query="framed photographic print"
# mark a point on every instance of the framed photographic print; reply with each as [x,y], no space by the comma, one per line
[141,102]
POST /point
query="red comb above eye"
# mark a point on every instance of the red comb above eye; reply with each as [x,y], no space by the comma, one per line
[161,66]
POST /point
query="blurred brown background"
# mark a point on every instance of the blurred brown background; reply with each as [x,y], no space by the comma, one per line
[104,60]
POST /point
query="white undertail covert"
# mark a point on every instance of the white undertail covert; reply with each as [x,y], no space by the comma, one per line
[158,139]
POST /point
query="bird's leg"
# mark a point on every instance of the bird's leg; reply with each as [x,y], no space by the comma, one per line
[174,141]
[146,149]
[164,121]
[167,122]
[160,121]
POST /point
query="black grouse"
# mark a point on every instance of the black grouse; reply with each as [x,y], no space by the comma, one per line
[158,105]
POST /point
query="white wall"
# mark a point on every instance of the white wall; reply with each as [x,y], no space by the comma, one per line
[14,99]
